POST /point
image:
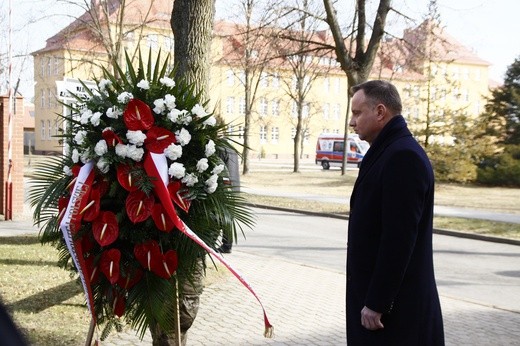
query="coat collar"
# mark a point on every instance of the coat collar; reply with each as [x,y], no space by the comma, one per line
[394,129]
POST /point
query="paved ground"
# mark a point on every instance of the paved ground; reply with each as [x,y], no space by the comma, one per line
[306,305]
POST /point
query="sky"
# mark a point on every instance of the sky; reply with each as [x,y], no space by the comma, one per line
[489,27]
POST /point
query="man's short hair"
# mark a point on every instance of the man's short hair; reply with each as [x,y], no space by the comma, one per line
[380,91]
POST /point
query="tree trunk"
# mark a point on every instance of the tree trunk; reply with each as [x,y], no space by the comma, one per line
[192,25]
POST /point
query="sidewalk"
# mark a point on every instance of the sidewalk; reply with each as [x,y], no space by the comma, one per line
[306,305]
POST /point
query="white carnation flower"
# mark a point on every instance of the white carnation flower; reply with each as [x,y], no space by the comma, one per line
[177,170]
[160,106]
[143,84]
[183,136]
[199,111]
[210,148]
[122,150]
[135,153]
[124,97]
[67,170]
[95,118]
[174,115]
[186,119]
[169,100]
[218,169]
[101,148]
[103,165]
[167,81]
[79,138]
[66,149]
[173,151]
[75,156]
[211,183]
[202,165]
[86,114]
[190,179]
[104,84]
[136,137]
[85,156]
[114,112]
[211,121]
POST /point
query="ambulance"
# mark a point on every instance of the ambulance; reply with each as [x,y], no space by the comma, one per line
[329,150]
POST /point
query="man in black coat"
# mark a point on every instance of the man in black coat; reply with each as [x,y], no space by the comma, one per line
[392,297]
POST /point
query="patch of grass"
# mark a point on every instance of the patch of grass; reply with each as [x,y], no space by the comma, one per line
[484,227]
[43,300]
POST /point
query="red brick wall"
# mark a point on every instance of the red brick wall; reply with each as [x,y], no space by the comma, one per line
[18,187]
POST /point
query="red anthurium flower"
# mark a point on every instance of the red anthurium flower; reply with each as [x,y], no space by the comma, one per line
[87,243]
[119,304]
[63,203]
[92,274]
[167,266]
[127,177]
[109,264]
[138,115]
[139,206]
[105,228]
[101,185]
[158,139]
[75,170]
[130,279]
[111,137]
[148,254]
[91,210]
[176,194]
[161,219]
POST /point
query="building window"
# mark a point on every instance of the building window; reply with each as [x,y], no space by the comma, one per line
[42,66]
[42,129]
[49,129]
[230,78]
[275,108]
[336,111]
[51,98]
[42,98]
[56,128]
[293,133]
[263,134]
[230,105]
[242,78]
[242,106]
[49,66]
[275,134]
[294,110]
[56,65]
[326,111]
[169,43]
[263,107]
[326,85]
[152,42]
[338,85]
[305,110]
[264,80]
[275,80]
[241,132]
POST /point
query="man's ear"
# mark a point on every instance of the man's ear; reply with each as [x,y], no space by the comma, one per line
[381,110]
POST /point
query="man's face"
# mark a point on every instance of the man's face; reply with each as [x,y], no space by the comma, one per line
[365,119]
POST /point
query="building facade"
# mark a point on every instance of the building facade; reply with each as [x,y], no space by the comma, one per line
[437,78]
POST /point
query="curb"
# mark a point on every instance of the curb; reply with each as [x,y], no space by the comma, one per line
[440,231]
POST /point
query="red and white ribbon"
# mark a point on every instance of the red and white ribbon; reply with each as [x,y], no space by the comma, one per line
[156,167]
[71,223]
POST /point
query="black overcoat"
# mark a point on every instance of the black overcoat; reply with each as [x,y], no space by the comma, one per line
[389,251]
